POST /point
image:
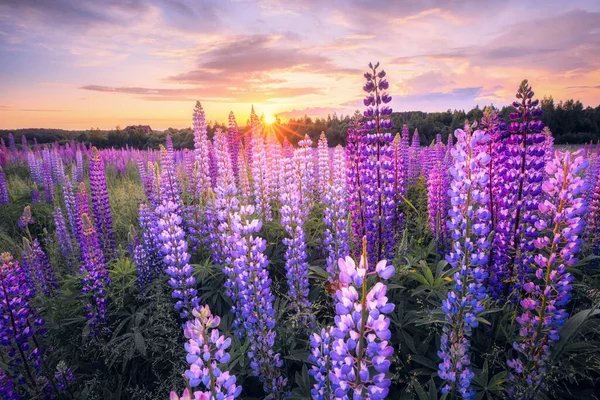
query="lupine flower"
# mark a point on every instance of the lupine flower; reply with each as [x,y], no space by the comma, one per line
[36,264]
[293,215]
[234,141]
[47,176]
[469,226]
[62,233]
[4,198]
[415,158]
[377,175]
[19,322]
[320,344]
[324,172]
[253,301]
[63,375]
[176,258]
[101,205]
[355,156]
[260,183]
[437,192]
[206,350]
[544,306]
[79,166]
[201,151]
[518,197]
[7,388]
[360,354]
[94,277]
[335,237]
[26,218]
[149,255]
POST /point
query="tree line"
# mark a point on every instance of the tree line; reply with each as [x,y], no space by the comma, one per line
[569,121]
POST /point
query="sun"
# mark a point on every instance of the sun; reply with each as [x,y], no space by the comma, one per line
[269,119]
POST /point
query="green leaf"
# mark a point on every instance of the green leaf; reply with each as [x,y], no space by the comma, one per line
[424,361]
[140,343]
[570,328]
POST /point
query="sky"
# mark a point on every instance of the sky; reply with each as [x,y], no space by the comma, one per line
[77,64]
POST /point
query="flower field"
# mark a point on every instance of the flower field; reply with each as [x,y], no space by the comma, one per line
[249,268]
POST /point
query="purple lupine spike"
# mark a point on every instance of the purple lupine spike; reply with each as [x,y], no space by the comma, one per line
[11,143]
[26,218]
[24,145]
[355,156]
[225,202]
[4,197]
[544,305]
[19,322]
[261,186]
[378,177]
[593,227]
[335,216]
[234,142]
[293,216]
[253,302]
[469,227]
[63,375]
[170,188]
[518,196]
[151,243]
[37,264]
[94,278]
[47,176]
[415,157]
[7,387]
[36,196]
[324,173]
[79,166]
[360,360]
[62,233]
[201,152]
[437,202]
[34,168]
[176,258]
[101,206]
[244,176]
[140,257]
[207,355]
[71,207]
[321,344]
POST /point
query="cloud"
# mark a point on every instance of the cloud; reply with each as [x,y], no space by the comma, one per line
[584,87]
[212,93]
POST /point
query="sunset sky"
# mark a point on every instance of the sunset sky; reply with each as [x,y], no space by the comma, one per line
[77,64]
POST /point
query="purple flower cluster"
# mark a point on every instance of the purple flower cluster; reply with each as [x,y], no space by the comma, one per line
[147,251]
[19,323]
[516,214]
[253,300]
[4,198]
[320,344]
[544,306]
[293,215]
[176,258]
[62,233]
[94,277]
[101,206]
[35,263]
[360,355]
[324,167]
[469,227]
[260,174]
[335,237]
[7,388]
[206,350]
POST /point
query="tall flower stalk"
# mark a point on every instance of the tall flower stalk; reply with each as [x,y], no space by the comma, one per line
[544,305]
[360,354]
[469,225]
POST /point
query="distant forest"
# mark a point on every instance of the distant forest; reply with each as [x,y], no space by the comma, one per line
[569,121]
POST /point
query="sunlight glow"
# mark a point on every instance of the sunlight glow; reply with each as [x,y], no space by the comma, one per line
[269,119]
